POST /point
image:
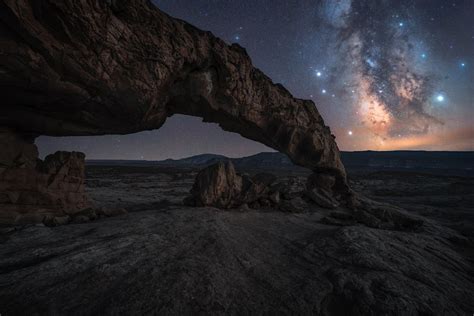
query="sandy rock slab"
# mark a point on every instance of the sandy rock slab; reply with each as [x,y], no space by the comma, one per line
[207,261]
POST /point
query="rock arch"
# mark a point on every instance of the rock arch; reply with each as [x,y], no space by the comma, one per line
[121,66]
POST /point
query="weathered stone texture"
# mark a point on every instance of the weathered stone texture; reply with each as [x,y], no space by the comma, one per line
[32,189]
[101,67]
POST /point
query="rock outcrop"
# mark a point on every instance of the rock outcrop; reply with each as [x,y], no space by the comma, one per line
[32,190]
[220,186]
[101,67]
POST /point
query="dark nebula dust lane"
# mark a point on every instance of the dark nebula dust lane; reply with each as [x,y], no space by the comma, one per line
[385,75]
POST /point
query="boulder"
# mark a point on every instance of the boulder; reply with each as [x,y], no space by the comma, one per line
[220,186]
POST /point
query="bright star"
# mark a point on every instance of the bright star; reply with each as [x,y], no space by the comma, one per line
[440,98]
[319,74]
[371,63]
[400,24]
[323,91]
[237,37]
[423,55]
[463,65]
[349,133]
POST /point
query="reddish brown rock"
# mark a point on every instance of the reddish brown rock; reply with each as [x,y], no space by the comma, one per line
[32,190]
[220,186]
[101,67]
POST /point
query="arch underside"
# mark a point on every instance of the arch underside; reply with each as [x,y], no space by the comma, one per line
[118,67]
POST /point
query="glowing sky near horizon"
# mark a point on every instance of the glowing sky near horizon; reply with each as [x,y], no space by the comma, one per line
[385,75]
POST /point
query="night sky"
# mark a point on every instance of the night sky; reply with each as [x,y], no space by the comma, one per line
[384,74]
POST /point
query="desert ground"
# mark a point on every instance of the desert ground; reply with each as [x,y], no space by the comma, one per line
[165,258]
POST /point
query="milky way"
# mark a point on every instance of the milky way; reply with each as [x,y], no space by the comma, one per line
[384,74]
[380,56]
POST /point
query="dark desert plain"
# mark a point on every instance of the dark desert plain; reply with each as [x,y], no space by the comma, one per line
[166,258]
[269,219]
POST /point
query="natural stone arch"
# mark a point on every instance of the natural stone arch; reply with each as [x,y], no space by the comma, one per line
[116,67]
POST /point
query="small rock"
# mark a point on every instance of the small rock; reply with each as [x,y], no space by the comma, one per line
[89,212]
[109,212]
[275,197]
[52,221]
[29,218]
[80,219]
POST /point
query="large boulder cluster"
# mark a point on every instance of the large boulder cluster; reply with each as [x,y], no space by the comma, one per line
[220,186]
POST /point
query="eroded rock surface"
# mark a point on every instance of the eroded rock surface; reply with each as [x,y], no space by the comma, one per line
[219,185]
[32,190]
[100,67]
[179,261]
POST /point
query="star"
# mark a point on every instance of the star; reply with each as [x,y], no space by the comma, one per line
[440,98]
[237,37]
[319,74]
[423,55]
[349,133]
[371,63]
[463,65]
[323,91]
[400,24]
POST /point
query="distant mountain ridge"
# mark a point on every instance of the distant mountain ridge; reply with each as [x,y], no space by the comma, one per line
[454,163]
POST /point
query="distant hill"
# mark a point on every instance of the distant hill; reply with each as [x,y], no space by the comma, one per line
[440,162]
[198,160]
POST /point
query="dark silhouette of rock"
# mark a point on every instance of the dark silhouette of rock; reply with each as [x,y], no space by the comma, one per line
[220,186]
[217,185]
[123,66]
[34,190]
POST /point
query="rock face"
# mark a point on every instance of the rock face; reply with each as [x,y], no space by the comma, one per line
[101,67]
[32,190]
[220,186]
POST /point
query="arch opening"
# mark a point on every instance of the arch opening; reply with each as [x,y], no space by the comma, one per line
[147,181]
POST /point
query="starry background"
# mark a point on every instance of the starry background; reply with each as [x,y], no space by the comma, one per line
[384,74]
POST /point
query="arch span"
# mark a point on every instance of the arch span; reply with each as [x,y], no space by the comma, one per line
[121,66]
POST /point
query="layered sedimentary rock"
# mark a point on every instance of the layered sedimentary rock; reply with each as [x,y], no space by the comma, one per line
[100,67]
[32,190]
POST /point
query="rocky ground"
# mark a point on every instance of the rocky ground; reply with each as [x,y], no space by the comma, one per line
[165,258]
